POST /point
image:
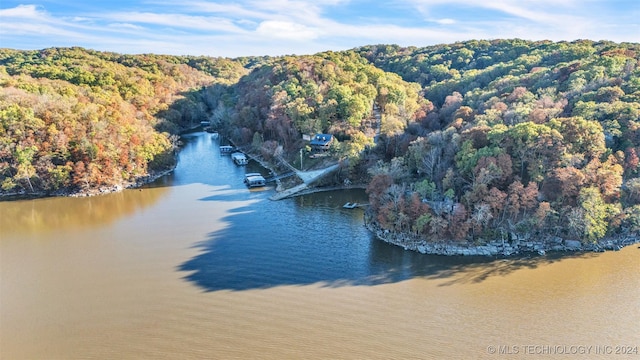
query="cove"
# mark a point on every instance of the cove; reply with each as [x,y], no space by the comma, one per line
[198,266]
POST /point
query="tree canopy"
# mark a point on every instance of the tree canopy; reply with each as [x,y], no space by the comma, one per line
[463,141]
[525,137]
[76,119]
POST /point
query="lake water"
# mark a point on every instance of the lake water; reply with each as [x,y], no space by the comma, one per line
[197,266]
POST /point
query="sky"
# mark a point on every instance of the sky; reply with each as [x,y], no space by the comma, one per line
[299,27]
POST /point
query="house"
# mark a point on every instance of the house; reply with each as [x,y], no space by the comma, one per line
[321,142]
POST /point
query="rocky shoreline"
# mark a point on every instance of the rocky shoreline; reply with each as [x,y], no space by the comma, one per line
[516,246]
[143,180]
[103,190]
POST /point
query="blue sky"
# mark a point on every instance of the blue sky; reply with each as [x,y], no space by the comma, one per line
[277,27]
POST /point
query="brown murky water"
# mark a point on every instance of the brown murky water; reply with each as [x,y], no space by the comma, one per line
[197,267]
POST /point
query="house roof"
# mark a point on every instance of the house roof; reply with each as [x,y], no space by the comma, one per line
[321,139]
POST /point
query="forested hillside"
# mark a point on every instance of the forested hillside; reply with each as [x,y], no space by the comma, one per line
[325,93]
[76,120]
[468,141]
[525,138]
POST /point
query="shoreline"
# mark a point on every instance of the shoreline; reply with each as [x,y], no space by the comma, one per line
[103,190]
[498,248]
[141,181]
[313,190]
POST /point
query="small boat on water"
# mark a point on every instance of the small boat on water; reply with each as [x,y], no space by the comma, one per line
[226,149]
[350,205]
[239,158]
[254,180]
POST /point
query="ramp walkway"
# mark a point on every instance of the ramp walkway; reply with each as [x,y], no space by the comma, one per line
[308,177]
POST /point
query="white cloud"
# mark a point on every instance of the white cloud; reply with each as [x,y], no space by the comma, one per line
[22,11]
[286,30]
[234,10]
[125,26]
[258,27]
[81,19]
[28,20]
[200,23]
[445,21]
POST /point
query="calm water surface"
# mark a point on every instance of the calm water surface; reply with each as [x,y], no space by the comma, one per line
[197,266]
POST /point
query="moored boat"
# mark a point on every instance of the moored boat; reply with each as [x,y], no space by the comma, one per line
[239,158]
[226,149]
[254,180]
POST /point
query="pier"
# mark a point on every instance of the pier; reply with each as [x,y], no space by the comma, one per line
[308,177]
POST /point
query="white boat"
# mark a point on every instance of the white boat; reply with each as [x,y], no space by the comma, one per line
[350,205]
[248,175]
[254,180]
[226,149]
[239,158]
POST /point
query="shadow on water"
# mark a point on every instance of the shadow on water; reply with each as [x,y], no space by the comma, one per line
[306,241]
